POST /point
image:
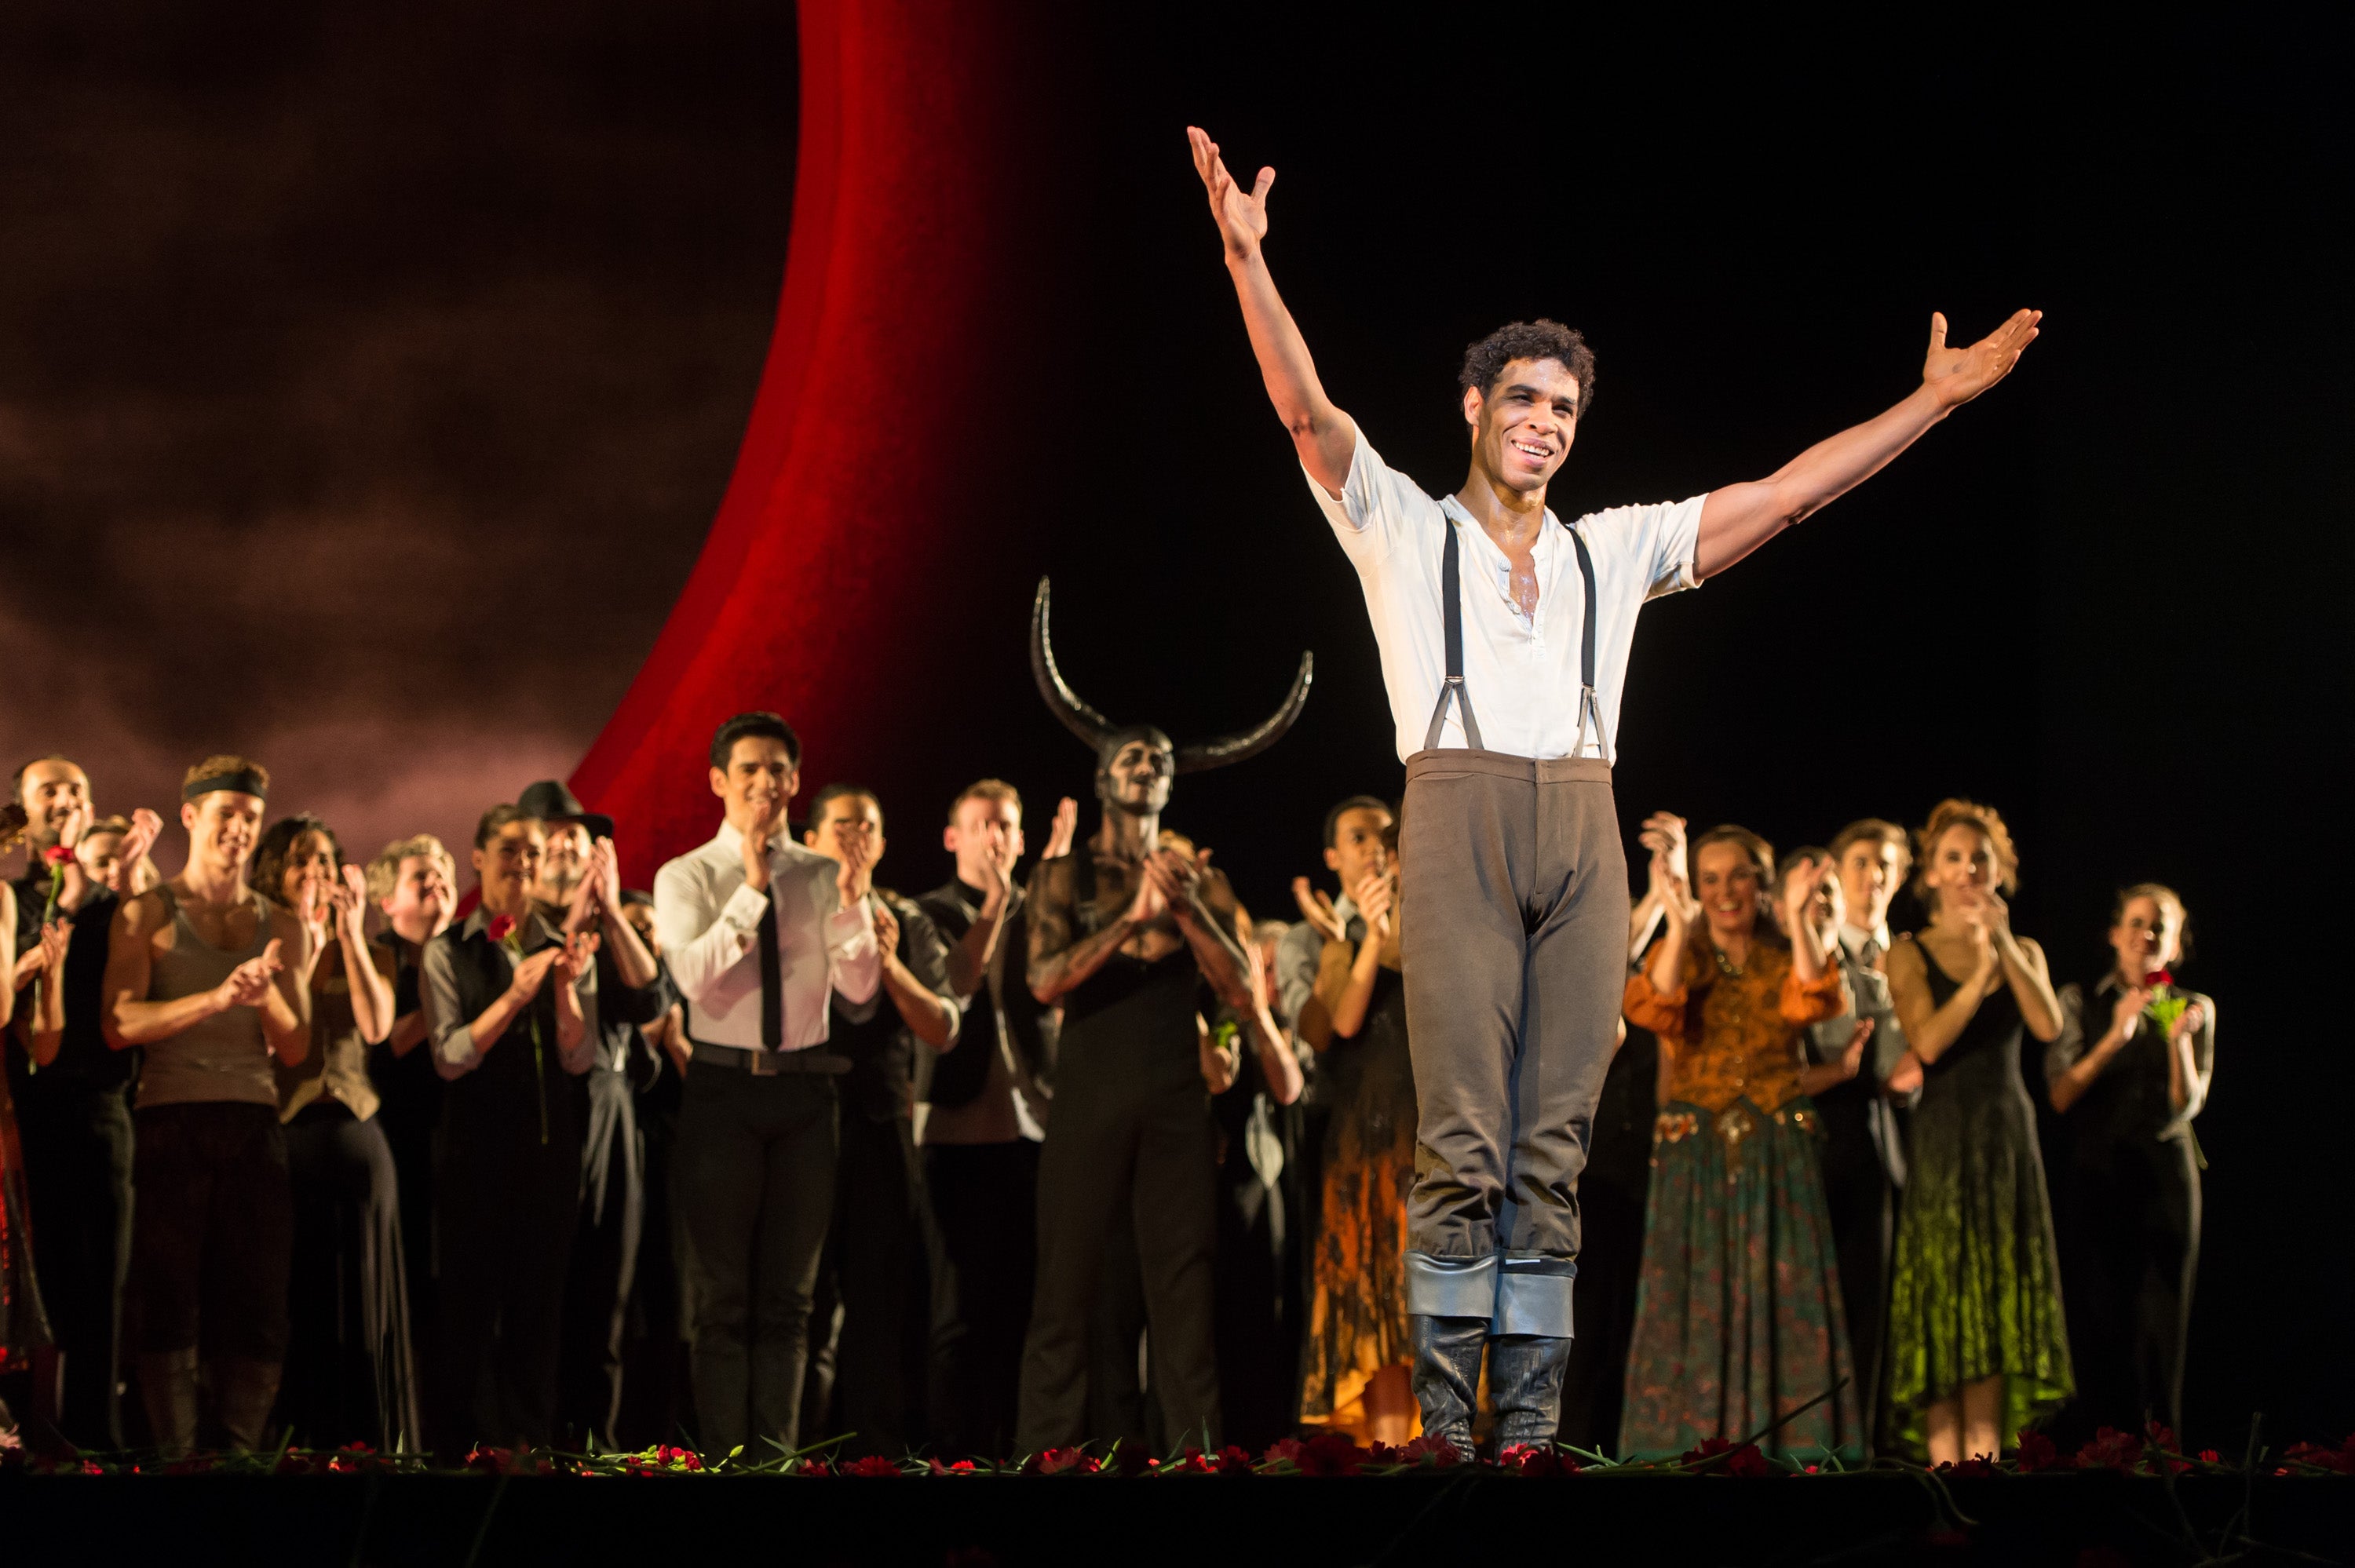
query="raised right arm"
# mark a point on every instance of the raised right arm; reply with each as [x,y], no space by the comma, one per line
[1323,435]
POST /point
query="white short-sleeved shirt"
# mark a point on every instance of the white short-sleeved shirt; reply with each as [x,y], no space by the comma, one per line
[1523,675]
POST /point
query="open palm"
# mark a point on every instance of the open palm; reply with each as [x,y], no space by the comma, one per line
[1959,375]
[1241,214]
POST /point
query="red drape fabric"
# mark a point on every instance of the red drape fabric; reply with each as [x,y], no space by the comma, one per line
[878,328]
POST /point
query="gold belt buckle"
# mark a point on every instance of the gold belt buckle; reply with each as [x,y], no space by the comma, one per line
[764,1063]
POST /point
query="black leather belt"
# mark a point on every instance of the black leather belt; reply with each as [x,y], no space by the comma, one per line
[768,1064]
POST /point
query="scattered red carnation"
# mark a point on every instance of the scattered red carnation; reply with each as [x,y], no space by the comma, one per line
[1536,1459]
[1742,1460]
[871,1465]
[2037,1452]
[1060,1461]
[2111,1449]
[2323,1457]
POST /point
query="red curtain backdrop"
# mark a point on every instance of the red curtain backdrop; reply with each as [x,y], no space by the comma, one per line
[842,481]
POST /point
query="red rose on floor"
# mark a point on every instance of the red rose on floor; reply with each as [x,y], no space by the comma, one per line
[872,1465]
[2342,1459]
[2037,1453]
[500,928]
[1745,1460]
[55,854]
[1234,1461]
[1057,1461]
[2209,1457]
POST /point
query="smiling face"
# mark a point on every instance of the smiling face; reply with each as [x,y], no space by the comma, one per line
[223,827]
[423,897]
[310,872]
[1725,880]
[1135,778]
[1523,426]
[506,865]
[563,861]
[759,773]
[1963,860]
[53,794]
[1870,873]
[102,859]
[2148,936]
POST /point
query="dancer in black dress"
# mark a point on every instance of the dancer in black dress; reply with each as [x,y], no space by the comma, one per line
[2129,1073]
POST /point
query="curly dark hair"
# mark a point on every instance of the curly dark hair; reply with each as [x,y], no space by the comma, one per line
[276,848]
[1484,361]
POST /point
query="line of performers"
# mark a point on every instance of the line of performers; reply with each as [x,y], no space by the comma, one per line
[1024,1162]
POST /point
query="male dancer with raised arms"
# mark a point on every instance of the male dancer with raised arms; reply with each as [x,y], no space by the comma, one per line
[1504,637]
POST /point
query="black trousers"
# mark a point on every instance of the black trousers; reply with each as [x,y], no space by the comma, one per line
[755,1183]
[871,1310]
[1862,1204]
[213,1234]
[655,1406]
[78,1163]
[984,1200]
[350,1376]
[504,1235]
[2137,1217]
[603,1264]
[1116,1145]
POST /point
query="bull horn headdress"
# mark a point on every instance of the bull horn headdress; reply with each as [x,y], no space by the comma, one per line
[1094,728]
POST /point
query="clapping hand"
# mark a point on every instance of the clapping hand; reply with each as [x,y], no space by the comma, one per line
[573,958]
[1905,1078]
[248,985]
[2126,1013]
[1060,832]
[887,929]
[1958,374]
[1852,1059]
[1317,910]
[349,898]
[1663,834]
[1374,898]
[2188,1022]
[1799,889]
[146,827]
[855,841]
[1676,896]
[531,972]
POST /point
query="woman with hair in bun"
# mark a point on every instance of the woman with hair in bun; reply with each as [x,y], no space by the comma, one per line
[1738,1314]
[2129,1073]
[1978,1347]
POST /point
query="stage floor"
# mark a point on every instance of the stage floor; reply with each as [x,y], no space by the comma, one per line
[2080,1520]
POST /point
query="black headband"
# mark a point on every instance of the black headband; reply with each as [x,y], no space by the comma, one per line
[244,781]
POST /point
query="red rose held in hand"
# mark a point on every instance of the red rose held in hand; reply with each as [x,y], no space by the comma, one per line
[55,854]
[501,928]
[2158,978]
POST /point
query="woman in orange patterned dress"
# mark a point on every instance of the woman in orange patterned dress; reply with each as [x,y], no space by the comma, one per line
[1738,1318]
[1358,1355]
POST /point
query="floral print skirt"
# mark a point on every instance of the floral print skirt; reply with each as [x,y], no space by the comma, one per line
[1738,1317]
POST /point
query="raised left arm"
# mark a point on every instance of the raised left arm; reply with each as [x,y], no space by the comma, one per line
[1737,519]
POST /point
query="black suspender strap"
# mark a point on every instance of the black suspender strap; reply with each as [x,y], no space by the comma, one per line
[1451,594]
[1589,707]
[1451,599]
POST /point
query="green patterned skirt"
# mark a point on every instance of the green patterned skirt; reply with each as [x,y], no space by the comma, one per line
[1977,1282]
[1738,1317]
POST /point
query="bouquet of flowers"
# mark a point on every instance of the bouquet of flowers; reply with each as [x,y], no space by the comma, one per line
[507,934]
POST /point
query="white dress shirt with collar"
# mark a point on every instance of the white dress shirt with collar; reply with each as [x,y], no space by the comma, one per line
[1853,938]
[709,921]
[1522,673]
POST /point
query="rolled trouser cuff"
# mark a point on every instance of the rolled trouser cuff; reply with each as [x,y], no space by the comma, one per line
[1451,1286]
[1532,1295]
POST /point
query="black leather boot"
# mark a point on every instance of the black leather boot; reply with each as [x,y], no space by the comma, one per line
[168,1387]
[1525,1380]
[1447,1376]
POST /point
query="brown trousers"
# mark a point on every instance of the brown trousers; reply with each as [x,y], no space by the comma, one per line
[1514,939]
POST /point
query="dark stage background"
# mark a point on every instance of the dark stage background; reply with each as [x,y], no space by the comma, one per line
[424,344]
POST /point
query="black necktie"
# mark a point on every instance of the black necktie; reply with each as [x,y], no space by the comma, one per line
[772,978]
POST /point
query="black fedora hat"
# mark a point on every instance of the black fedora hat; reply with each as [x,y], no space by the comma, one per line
[551,801]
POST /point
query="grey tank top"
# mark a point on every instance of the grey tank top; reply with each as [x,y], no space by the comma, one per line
[225,1056]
